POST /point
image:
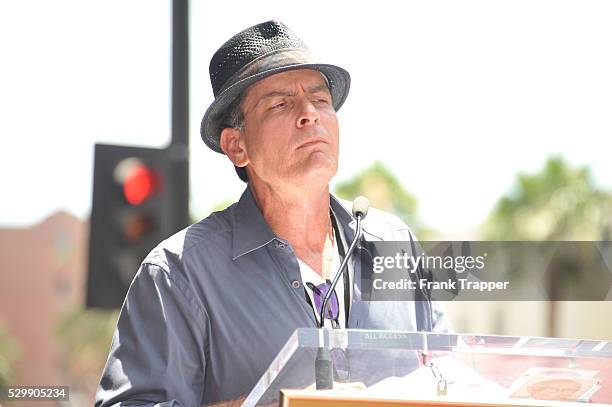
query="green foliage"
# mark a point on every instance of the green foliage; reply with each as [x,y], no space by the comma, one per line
[85,336]
[9,353]
[557,203]
[385,192]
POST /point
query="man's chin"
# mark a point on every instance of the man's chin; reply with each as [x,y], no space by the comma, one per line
[316,175]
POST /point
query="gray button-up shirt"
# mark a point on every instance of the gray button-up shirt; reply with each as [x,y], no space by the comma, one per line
[211,306]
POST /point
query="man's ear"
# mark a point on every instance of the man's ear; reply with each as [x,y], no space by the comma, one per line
[232,144]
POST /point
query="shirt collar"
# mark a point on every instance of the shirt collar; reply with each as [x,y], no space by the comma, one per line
[250,230]
[344,218]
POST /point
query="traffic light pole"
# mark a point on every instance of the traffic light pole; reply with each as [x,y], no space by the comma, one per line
[140,194]
[178,150]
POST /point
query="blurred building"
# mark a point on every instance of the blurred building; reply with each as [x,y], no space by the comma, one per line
[42,278]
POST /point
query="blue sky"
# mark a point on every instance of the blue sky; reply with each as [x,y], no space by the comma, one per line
[454,97]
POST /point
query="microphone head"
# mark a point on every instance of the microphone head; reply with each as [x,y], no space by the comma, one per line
[361,204]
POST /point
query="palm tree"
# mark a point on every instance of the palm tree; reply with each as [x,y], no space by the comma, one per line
[558,203]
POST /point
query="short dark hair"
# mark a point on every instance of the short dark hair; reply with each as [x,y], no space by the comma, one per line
[234,118]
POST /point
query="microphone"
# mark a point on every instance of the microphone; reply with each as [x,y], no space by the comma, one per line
[324,376]
[361,205]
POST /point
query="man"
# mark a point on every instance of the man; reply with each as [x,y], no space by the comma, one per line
[211,307]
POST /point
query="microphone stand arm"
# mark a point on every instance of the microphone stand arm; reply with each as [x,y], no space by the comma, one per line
[339,273]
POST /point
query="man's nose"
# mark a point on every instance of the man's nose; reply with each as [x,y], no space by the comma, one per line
[308,114]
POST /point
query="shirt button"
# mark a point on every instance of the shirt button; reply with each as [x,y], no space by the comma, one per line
[281,245]
[295,284]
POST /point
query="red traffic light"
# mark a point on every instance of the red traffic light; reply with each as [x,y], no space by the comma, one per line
[139,181]
[140,184]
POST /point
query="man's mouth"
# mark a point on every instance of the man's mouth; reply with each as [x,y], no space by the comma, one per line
[312,141]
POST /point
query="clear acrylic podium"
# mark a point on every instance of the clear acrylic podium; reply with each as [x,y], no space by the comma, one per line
[413,368]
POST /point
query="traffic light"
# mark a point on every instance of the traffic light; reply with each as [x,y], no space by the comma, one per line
[132,211]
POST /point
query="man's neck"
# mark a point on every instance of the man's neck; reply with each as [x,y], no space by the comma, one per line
[301,217]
